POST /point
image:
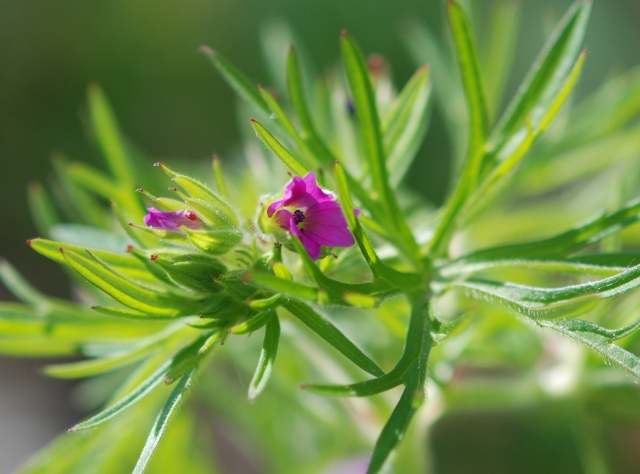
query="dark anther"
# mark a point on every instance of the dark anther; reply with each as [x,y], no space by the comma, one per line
[298,216]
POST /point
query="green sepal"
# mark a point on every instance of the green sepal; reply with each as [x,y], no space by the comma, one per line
[200,191]
[213,241]
[193,270]
[123,290]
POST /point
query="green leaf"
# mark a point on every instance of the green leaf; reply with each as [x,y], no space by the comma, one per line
[37,346]
[124,264]
[42,209]
[371,139]
[267,357]
[361,389]
[89,368]
[472,84]
[516,148]
[162,421]
[393,430]
[217,170]
[19,286]
[135,395]
[254,323]
[278,285]
[590,232]
[547,75]
[93,180]
[280,151]
[108,134]
[579,266]
[520,299]
[238,81]
[327,331]
[143,348]
[298,100]
[600,340]
[123,290]
[406,125]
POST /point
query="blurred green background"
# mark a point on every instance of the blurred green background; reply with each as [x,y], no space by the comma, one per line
[172,104]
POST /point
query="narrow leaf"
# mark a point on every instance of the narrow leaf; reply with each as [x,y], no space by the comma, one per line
[267,357]
[471,80]
[135,395]
[584,332]
[548,72]
[327,331]
[162,422]
[280,151]
[238,81]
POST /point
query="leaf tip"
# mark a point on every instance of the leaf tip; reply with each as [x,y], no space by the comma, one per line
[344,32]
[206,50]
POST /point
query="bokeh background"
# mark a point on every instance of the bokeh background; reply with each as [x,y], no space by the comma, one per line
[173,105]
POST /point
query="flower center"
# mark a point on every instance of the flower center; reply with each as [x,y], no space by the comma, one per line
[298,216]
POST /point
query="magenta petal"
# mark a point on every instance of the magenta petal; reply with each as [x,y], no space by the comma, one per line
[326,225]
[300,193]
[314,190]
[171,220]
[312,247]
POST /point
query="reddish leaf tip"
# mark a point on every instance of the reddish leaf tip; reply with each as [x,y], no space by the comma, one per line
[344,32]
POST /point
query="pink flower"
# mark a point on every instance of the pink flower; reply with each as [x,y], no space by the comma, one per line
[312,215]
[171,220]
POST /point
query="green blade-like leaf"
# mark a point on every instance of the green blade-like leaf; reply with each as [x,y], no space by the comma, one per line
[299,102]
[327,331]
[238,81]
[162,421]
[499,51]
[605,288]
[93,180]
[471,81]
[267,358]
[42,209]
[593,336]
[370,128]
[547,74]
[279,285]
[603,268]
[590,232]
[276,147]
[515,150]
[109,136]
[360,389]
[121,263]
[135,395]
[406,125]
[515,298]
[393,430]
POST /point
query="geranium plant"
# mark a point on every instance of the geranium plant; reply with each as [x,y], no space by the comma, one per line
[337,280]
